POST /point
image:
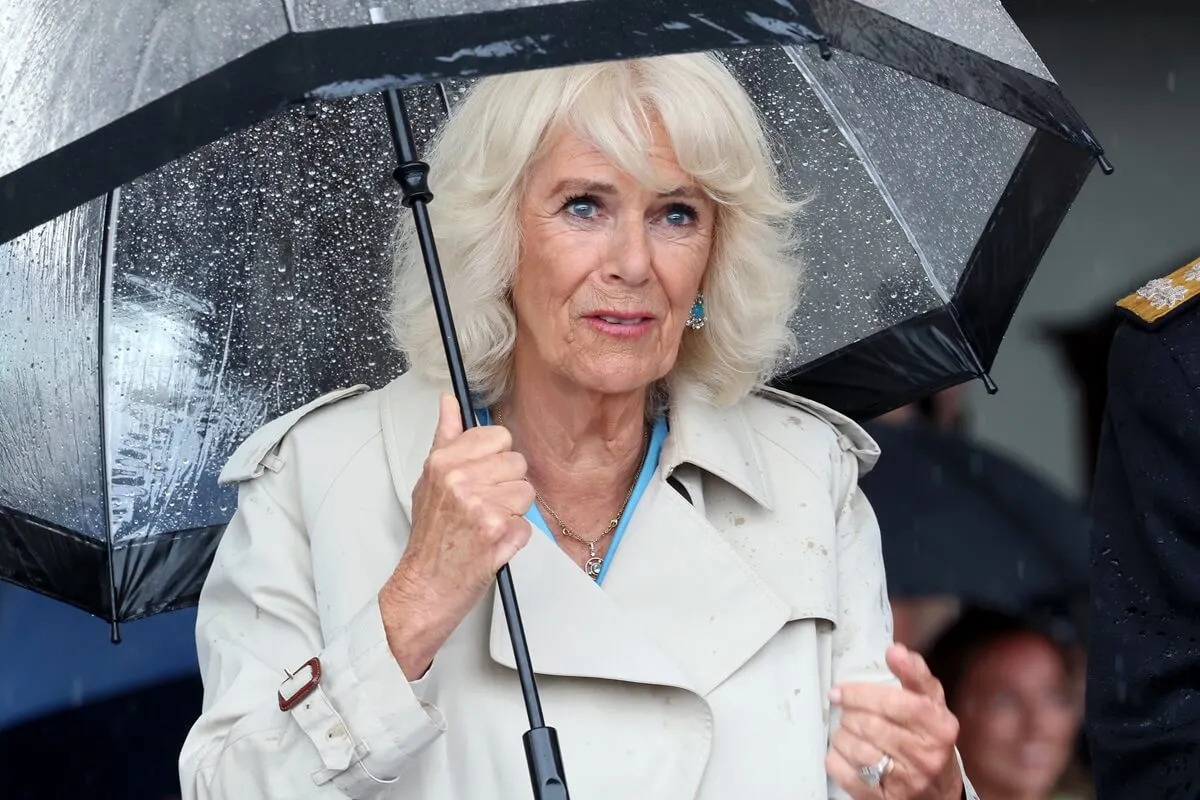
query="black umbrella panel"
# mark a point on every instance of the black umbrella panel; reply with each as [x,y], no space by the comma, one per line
[960,519]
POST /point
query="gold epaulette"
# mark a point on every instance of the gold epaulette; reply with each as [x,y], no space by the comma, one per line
[1162,297]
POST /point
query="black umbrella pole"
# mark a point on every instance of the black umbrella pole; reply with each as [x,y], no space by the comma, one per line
[541,743]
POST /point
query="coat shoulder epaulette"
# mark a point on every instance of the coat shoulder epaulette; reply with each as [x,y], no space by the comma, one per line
[254,454]
[851,436]
[1162,298]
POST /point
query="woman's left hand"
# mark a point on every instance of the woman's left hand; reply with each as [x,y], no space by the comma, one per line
[909,724]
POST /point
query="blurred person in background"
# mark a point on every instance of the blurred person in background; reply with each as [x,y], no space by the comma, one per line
[922,620]
[1015,692]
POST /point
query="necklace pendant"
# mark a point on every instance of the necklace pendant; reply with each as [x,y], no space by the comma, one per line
[592,567]
[594,563]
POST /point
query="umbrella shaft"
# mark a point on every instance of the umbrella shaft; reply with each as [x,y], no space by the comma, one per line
[413,178]
[541,743]
[441,306]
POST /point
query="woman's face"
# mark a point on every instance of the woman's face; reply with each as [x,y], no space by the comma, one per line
[608,269]
[1018,717]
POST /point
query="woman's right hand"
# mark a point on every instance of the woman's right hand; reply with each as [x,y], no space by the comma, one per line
[467,521]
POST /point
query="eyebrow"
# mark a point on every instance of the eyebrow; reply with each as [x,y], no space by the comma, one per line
[583,186]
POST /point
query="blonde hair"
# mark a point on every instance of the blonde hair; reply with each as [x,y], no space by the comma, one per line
[478,161]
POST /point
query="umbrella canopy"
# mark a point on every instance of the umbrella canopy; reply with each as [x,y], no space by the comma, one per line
[959,519]
[148,331]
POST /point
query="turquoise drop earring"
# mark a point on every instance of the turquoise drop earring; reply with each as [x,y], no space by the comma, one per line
[695,320]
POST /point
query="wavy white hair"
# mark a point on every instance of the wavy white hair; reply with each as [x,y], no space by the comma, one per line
[478,162]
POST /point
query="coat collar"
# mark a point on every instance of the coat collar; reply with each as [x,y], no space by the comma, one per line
[717,612]
[720,442]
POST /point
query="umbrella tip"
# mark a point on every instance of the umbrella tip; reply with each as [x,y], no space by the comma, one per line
[116,632]
[988,383]
[824,49]
[1105,165]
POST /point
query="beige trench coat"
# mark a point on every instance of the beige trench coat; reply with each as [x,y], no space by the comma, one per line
[700,669]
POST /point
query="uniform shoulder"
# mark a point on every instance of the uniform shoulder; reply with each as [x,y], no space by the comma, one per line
[258,452]
[773,411]
[1163,299]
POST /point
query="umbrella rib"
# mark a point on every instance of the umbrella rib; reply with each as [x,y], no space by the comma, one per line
[107,253]
[289,15]
[869,164]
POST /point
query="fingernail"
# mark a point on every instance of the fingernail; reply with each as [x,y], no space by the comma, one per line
[835,696]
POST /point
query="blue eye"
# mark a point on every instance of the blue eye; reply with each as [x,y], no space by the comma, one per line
[680,214]
[583,207]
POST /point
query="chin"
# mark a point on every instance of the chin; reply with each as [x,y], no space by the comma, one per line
[616,376]
[617,382]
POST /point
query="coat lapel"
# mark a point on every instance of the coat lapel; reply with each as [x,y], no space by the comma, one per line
[574,628]
[676,578]
[679,606]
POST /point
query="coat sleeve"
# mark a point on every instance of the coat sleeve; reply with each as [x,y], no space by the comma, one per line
[1143,685]
[257,617]
[863,632]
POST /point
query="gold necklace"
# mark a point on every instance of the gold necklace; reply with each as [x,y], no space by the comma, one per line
[594,563]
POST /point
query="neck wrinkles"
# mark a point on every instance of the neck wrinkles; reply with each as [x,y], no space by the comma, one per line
[574,438]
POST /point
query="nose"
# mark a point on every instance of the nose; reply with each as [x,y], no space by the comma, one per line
[630,258]
[1044,723]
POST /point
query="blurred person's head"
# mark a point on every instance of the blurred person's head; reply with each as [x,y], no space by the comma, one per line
[1011,687]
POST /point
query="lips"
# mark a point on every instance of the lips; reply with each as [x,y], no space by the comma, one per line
[621,324]
[613,319]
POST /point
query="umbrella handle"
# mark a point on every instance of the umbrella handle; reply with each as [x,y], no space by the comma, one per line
[541,743]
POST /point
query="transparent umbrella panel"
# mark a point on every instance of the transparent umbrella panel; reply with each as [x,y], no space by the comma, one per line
[147,333]
[900,177]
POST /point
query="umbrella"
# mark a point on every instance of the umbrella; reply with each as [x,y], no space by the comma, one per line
[960,519]
[940,153]
[148,332]
[971,167]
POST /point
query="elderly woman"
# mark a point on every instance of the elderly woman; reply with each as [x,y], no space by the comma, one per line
[700,580]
